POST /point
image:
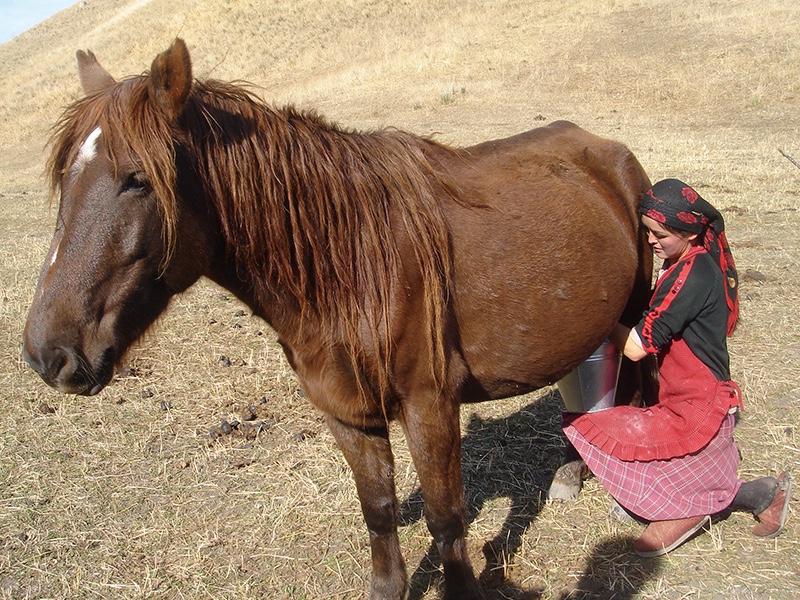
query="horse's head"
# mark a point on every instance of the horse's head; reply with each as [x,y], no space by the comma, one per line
[123,245]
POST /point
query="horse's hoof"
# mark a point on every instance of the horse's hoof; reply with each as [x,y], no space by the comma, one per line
[567,481]
[563,491]
[623,516]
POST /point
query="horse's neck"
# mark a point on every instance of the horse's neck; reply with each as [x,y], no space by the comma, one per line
[279,310]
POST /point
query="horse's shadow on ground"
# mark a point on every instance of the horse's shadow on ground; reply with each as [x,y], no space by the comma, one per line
[515,457]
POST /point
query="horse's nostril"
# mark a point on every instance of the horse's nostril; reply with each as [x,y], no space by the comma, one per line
[57,365]
[52,364]
[67,370]
[58,360]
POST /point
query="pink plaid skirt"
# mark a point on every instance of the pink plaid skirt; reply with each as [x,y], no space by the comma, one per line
[702,483]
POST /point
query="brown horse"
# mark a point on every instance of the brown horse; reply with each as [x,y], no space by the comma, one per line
[403,277]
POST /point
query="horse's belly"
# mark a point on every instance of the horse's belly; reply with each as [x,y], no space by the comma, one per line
[510,353]
[532,302]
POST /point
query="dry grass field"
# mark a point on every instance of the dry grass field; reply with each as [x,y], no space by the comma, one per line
[202,472]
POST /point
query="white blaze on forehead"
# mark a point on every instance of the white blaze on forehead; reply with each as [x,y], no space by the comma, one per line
[51,259]
[54,255]
[87,152]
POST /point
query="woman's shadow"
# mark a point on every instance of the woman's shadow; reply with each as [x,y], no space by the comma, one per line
[515,457]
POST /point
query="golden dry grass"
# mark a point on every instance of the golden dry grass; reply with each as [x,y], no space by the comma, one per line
[126,495]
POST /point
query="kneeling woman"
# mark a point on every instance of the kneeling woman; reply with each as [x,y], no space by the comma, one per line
[675,464]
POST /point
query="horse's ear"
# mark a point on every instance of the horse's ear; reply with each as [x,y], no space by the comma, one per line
[92,75]
[171,78]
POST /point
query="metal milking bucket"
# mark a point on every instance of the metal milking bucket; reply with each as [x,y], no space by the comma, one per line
[591,387]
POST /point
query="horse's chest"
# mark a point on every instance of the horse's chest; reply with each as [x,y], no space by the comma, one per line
[331,382]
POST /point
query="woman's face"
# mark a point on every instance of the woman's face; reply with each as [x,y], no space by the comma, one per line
[666,244]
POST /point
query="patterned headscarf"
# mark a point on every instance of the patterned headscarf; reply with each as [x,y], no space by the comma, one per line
[673,203]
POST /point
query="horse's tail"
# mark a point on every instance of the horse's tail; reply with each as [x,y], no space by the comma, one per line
[642,375]
[638,382]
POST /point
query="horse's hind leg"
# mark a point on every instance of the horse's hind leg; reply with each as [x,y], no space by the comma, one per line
[369,454]
[638,385]
[434,438]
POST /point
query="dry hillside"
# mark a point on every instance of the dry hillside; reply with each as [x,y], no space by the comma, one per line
[147,491]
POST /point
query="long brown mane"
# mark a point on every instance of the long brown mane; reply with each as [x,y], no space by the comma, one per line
[305,207]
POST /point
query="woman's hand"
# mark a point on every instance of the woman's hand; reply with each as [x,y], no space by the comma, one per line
[627,341]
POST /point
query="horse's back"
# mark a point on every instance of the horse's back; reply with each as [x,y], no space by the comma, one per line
[545,252]
[560,152]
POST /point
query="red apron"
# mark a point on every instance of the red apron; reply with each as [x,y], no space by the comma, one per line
[691,406]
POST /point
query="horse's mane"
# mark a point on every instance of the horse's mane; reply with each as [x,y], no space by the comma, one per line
[129,120]
[306,207]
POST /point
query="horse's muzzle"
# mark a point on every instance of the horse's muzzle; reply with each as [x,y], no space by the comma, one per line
[68,371]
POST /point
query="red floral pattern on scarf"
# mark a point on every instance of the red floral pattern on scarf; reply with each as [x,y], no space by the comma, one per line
[690,195]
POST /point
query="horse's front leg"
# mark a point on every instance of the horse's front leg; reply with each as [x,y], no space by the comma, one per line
[369,454]
[434,437]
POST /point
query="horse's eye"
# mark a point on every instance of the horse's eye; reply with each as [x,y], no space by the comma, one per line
[135,183]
